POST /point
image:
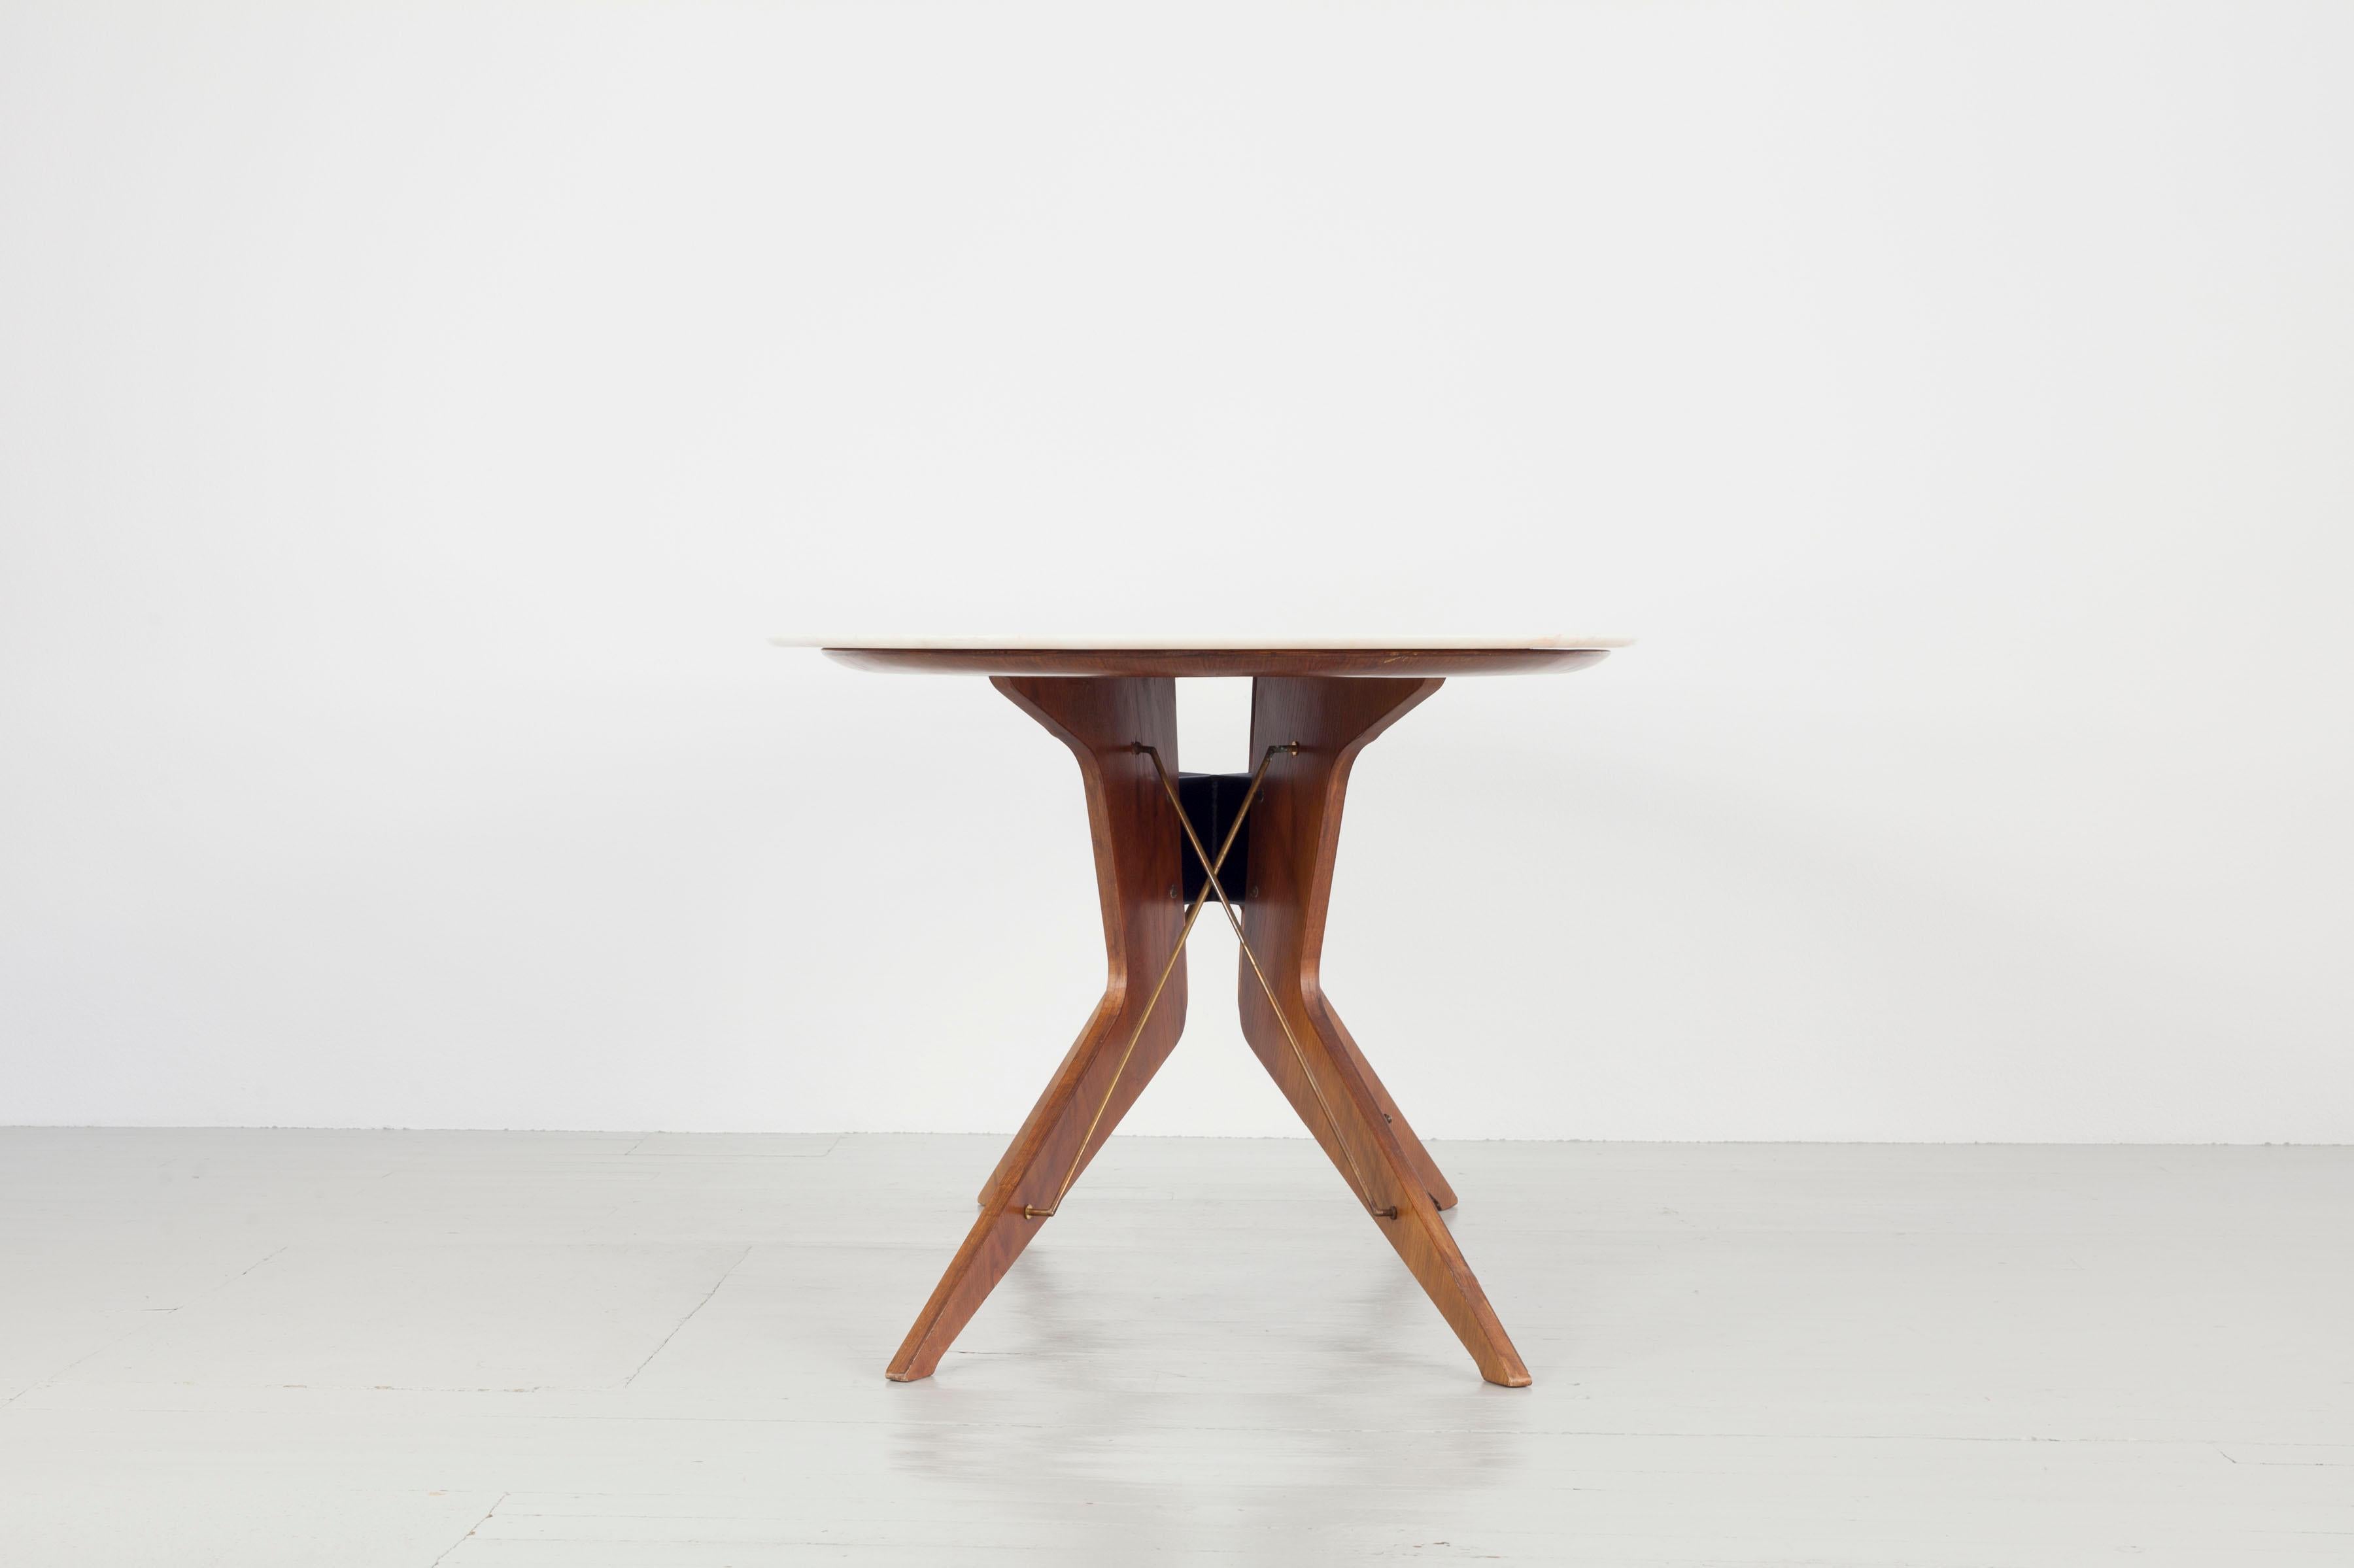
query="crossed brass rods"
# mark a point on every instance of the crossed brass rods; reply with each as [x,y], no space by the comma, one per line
[1194,912]
[1364,1188]
[1153,1001]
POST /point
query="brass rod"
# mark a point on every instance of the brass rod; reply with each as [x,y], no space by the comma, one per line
[1364,1188]
[1078,1154]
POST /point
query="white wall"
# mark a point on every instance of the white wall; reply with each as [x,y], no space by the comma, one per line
[416,419]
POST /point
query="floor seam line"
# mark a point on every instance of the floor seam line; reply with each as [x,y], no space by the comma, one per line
[470,1529]
[725,1277]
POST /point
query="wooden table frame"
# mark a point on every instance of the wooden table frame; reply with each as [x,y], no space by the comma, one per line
[1312,710]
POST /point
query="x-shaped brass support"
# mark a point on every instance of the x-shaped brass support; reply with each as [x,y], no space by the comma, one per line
[1211,865]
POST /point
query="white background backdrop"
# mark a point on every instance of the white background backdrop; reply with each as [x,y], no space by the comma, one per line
[413,419]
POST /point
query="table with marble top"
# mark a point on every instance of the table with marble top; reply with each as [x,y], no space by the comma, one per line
[1261,846]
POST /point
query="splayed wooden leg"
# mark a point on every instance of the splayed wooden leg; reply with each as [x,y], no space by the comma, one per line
[1132,1030]
[1294,840]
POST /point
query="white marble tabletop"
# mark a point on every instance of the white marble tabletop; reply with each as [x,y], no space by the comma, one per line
[999,640]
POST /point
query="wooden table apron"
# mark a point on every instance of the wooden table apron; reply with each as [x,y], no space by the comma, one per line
[1107,706]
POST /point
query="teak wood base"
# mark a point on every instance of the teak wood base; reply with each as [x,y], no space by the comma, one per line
[1118,726]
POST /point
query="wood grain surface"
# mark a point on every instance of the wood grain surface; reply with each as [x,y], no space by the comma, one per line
[1136,837]
[1295,840]
[1326,720]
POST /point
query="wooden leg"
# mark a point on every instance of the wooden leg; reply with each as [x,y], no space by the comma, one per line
[1103,720]
[1295,832]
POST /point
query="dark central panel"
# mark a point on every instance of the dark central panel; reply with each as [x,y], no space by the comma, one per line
[1211,800]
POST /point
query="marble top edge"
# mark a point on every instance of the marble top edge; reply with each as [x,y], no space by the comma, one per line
[1201,644]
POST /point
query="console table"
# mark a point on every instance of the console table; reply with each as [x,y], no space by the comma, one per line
[1258,844]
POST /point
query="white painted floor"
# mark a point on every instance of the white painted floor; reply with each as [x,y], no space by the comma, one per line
[340,1349]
